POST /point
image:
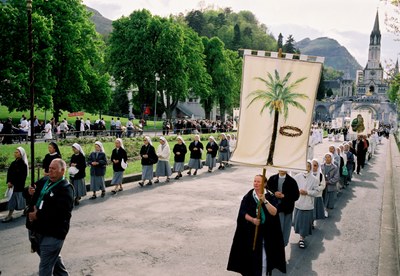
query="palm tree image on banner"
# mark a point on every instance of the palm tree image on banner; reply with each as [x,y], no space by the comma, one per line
[276,110]
[277,98]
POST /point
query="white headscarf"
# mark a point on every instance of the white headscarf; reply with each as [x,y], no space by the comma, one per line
[223,135]
[198,136]
[165,140]
[330,154]
[120,142]
[148,140]
[24,157]
[78,147]
[180,138]
[212,137]
[100,145]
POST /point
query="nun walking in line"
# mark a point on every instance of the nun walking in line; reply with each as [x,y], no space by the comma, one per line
[179,151]
[304,207]
[16,177]
[98,163]
[119,159]
[319,208]
[331,173]
[77,172]
[163,167]
[196,150]
[149,158]
[211,150]
[223,152]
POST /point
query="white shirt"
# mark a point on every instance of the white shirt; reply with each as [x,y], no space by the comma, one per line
[163,152]
[309,183]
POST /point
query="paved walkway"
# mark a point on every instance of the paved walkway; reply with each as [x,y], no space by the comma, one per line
[186,227]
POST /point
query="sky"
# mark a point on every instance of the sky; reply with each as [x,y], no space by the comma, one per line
[350,22]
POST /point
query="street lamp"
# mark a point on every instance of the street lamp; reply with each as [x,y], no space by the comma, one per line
[157,78]
[31,87]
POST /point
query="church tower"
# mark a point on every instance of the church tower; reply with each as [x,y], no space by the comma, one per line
[373,83]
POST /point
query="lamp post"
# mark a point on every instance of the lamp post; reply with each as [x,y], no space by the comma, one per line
[31,87]
[157,78]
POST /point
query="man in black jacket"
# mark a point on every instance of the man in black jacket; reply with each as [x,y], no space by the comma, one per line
[287,192]
[49,218]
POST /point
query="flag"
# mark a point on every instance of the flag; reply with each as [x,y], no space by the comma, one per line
[262,74]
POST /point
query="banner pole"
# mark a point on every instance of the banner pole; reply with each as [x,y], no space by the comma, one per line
[259,207]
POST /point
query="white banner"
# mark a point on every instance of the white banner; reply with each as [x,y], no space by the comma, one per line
[277,94]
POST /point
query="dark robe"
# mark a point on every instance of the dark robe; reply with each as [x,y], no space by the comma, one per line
[196,154]
[289,189]
[121,154]
[182,150]
[16,174]
[151,153]
[214,149]
[80,161]
[242,258]
[47,160]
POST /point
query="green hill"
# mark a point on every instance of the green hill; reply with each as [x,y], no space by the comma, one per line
[336,55]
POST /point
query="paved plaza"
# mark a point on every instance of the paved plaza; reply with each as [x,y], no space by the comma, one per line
[186,227]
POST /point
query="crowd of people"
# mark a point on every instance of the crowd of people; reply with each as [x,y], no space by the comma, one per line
[290,200]
[293,201]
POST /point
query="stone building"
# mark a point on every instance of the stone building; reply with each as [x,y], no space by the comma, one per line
[370,92]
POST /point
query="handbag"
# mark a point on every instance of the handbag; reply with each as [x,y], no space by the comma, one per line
[124,165]
[8,193]
[345,172]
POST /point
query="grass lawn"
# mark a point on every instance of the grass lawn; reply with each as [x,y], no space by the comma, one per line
[132,145]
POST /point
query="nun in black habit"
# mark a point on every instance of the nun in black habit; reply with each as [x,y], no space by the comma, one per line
[269,252]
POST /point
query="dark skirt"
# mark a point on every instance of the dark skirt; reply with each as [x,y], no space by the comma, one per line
[147,172]
[319,208]
[302,222]
[223,156]
[210,161]
[117,178]
[79,186]
[16,202]
[179,166]
[163,168]
[195,164]
[97,183]
[330,199]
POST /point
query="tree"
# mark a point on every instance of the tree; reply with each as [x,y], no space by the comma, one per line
[277,98]
[289,45]
[77,58]
[280,42]
[14,67]
[171,64]
[236,37]
[131,53]
[199,81]
[221,69]
[195,20]
[321,87]
[394,91]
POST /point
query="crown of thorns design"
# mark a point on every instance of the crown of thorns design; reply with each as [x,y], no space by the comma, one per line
[290,131]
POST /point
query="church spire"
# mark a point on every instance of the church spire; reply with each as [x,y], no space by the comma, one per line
[375,38]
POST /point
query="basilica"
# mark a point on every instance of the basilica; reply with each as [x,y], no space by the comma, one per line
[370,93]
